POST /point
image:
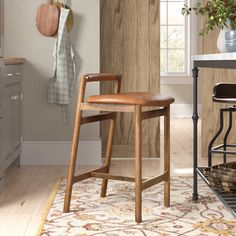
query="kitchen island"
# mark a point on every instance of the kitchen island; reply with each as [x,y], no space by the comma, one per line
[220,61]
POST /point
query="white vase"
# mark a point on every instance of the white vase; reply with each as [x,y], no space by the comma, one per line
[221,41]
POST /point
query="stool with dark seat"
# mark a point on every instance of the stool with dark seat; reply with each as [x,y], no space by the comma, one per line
[113,103]
[223,93]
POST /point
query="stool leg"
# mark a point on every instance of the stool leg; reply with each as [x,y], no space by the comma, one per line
[227,134]
[72,163]
[138,165]
[215,137]
[167,157]
[108,154]
[74,147]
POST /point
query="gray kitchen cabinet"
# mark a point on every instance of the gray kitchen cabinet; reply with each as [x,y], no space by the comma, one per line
[11,121]
[12,113]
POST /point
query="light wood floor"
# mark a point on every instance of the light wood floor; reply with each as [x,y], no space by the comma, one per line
[28,187]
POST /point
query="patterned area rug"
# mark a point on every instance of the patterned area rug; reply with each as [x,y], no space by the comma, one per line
[114,215]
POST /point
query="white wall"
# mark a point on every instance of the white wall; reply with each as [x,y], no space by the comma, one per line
[42,121]
[182,107]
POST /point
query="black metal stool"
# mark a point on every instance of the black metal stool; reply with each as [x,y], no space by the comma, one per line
[223,93]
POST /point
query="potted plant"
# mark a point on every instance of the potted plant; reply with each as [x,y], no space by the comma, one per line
[219,14]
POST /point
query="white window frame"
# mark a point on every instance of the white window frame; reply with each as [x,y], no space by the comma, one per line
[191,44]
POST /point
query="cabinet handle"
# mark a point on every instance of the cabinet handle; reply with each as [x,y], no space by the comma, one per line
[9,74]
[18,73]
[14,97]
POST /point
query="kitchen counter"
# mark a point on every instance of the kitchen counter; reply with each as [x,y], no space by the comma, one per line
[14,60]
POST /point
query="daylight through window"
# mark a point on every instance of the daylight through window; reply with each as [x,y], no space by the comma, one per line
[174,39]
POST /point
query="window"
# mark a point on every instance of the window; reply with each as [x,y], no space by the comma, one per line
[175,34]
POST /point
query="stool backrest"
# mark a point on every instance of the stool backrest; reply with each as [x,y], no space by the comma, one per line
[98,78]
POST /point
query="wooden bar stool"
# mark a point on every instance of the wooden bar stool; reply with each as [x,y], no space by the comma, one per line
[113,103]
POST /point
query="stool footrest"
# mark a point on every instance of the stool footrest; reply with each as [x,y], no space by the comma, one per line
[155,180]
[87,174]
[113,177]
[99,173]
[218,149]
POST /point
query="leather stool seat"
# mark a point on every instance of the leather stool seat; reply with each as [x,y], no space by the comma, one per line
[224,92]
[133,98]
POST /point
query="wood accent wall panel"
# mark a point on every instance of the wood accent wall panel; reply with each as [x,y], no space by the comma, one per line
[130,45]
[210,110]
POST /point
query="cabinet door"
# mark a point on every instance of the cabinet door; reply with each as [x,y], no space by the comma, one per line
[2,160]
[17,120]
[7,126]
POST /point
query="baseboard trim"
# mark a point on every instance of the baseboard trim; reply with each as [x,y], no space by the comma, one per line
[183,110]
[58,153]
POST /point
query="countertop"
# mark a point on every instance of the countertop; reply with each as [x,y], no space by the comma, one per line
[14,60]
[218,60]
[216,57]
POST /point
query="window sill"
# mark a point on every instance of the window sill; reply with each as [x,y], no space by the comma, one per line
[176,80]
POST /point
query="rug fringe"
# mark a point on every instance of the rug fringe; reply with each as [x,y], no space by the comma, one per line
[48,206]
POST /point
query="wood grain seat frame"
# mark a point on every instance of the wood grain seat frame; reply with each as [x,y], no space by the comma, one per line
[111,114]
